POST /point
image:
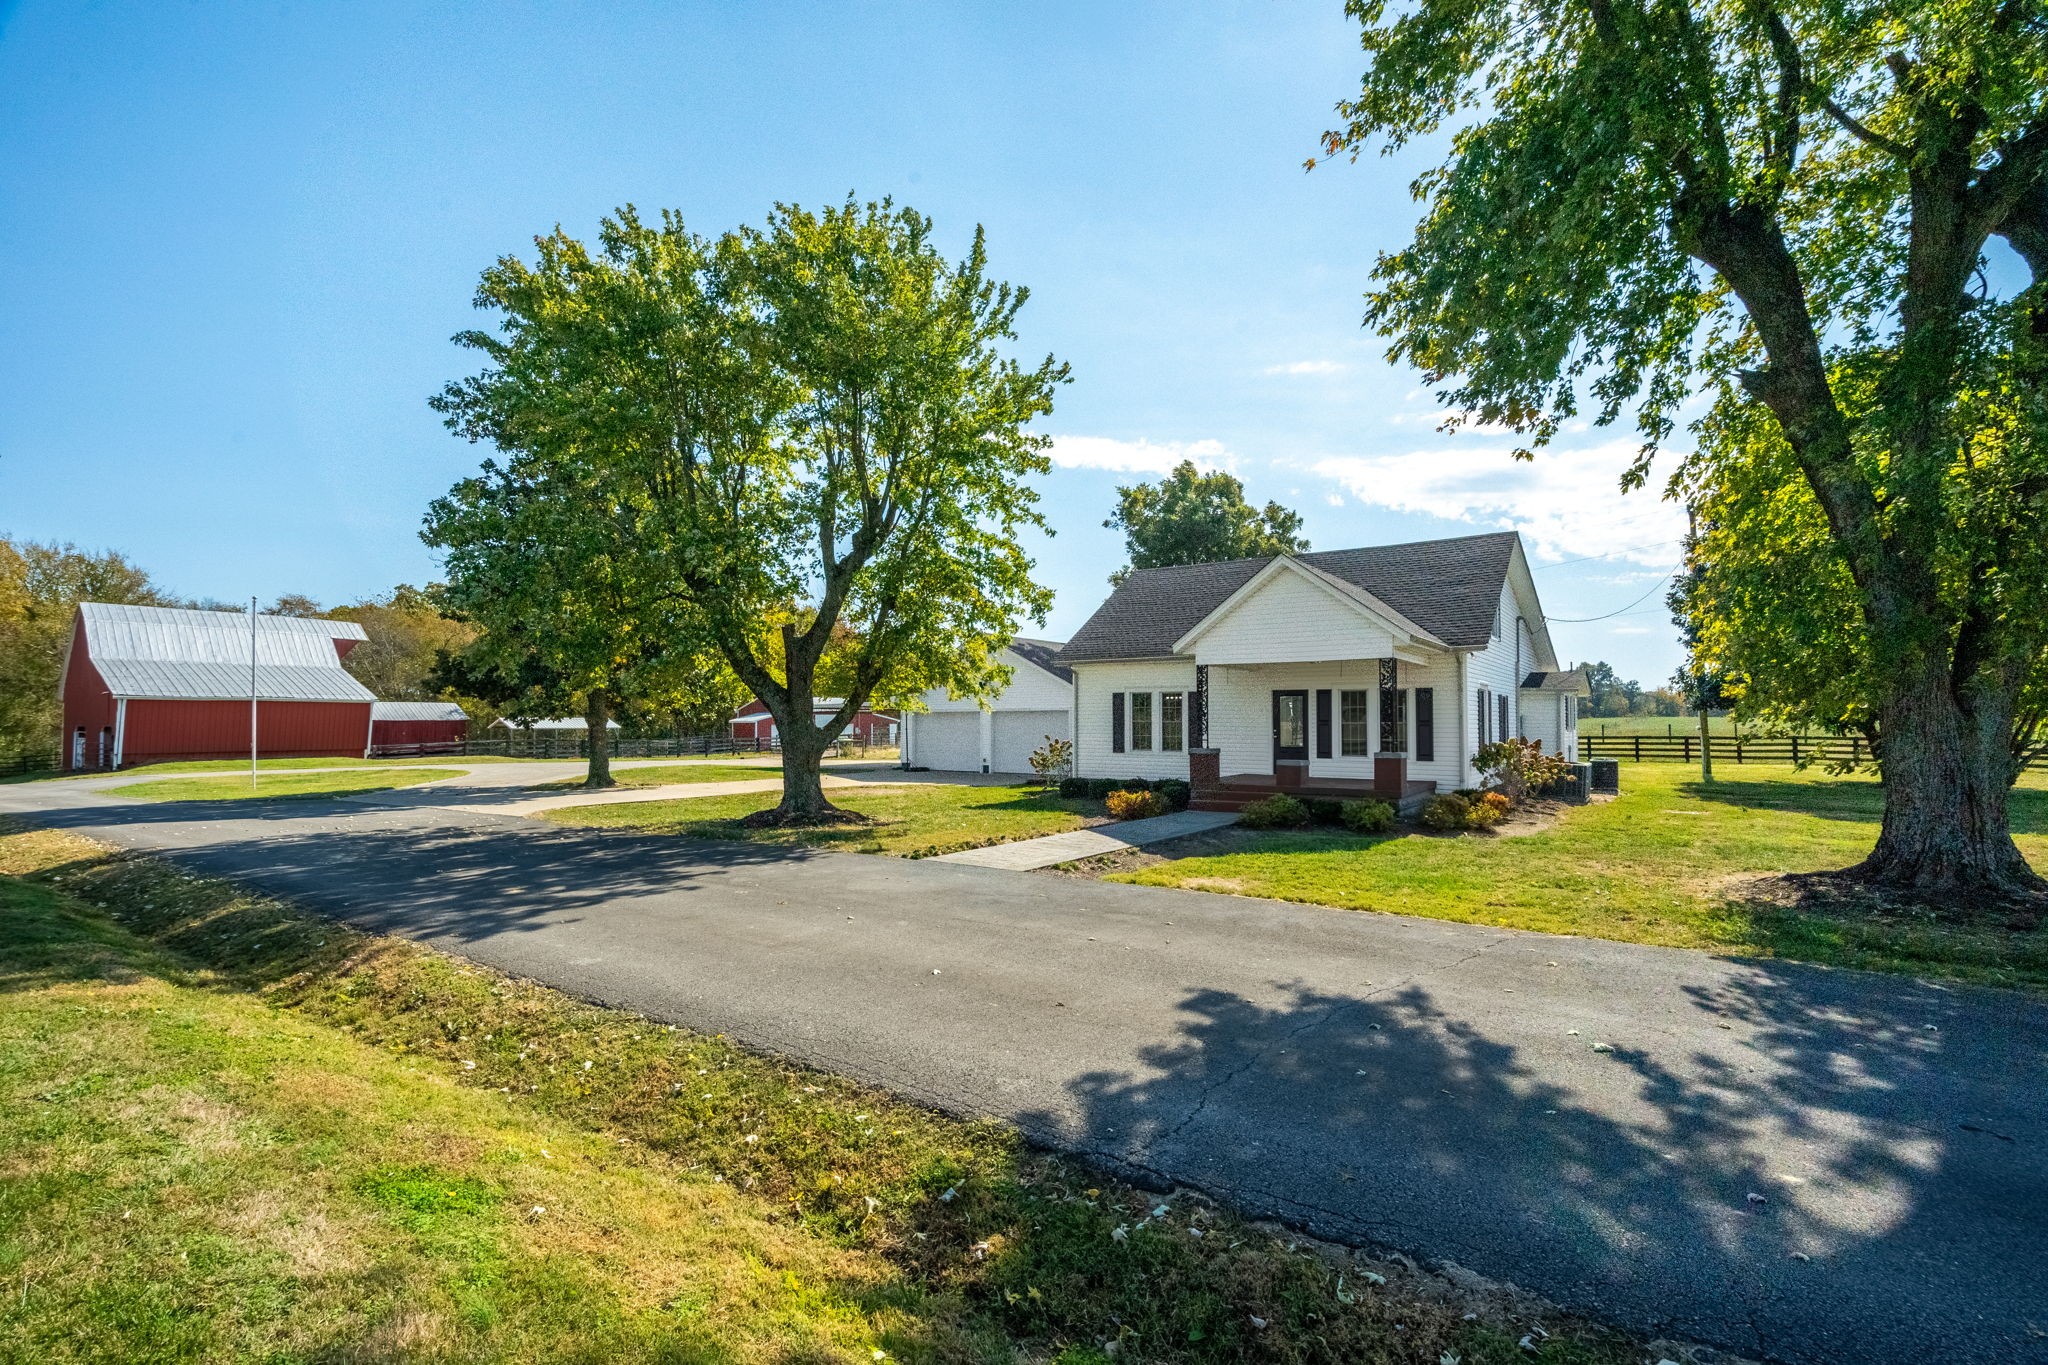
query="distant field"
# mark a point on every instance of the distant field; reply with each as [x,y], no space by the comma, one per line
[1651,725]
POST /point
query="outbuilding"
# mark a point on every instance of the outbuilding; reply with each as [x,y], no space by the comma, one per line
[411,724]
[752,723]
[966,736]
[157,684]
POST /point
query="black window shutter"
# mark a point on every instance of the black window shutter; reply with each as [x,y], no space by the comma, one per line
[1425,724]
[1479,710]
[1116,722]
[1322,722]
[1505,730]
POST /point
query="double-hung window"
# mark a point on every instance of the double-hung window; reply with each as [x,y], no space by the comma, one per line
[1172,721]
[1354,724]
[1141,720]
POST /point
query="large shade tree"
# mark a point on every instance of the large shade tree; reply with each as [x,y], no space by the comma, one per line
[818,412]
[1191,517]
[1794,206]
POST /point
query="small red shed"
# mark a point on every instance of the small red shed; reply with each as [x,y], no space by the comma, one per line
[752,721]
[155,684]
[410,724]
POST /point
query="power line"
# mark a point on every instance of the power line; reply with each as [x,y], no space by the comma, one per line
[1583,620]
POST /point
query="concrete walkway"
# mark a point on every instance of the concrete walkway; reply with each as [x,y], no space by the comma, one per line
[1053,849]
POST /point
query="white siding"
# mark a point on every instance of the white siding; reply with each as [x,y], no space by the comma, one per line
[1241,715]
[959,734]
[1031,689]
[1497,669]
[1288,620]
[1093,684]
[1016,735]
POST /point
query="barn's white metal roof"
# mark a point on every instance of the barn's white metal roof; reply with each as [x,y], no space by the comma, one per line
[188,655]
[417,710]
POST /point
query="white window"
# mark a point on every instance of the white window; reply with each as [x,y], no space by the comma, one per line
[1172,718]
[1141,720]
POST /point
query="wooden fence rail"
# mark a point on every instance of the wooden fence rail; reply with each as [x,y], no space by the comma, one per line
[1736,748]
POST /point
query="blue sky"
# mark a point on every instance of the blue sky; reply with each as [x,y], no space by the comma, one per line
[240,237]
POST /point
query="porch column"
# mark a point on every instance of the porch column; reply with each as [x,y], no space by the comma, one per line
[1390,762]
[1205,770]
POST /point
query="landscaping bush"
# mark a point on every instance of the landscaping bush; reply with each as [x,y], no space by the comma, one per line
[1368,816]
[1101,787]
[1324,811]
[1487,810]
[1275,812]
[1133,805]
[1176,792]
[1075,786]
[1446,810]
[1516,767]
[1052,760]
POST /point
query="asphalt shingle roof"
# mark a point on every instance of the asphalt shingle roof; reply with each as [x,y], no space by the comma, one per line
[1448,587]
[1043,653]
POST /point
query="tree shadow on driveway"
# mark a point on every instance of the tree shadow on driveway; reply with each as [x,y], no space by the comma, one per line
[1798,1178]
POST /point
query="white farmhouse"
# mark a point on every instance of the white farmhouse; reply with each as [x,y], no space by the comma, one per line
[1379,670]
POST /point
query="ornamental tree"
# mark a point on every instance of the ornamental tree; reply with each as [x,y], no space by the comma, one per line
[818,411]
[1791,206]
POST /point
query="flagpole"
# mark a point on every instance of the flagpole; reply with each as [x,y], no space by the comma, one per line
[252,694]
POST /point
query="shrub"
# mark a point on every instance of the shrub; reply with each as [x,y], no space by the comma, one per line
[1176,792]
[1516,767]
[1052,760]
[1368,816]
[1130,805]
[1275,812]
[1446,810]
[1101,787]
[1074,786]
[1487,810]
[1323,810]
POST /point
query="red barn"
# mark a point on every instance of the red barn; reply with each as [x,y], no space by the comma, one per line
[752,721]
[409,724]
[153,684]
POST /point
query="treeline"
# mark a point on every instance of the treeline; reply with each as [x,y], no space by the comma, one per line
[1614,696]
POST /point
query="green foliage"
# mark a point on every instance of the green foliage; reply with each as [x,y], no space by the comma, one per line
[1274,812]
[41,585]
[1190,517]
[1787,206]
[1368,816]
[1052,761]
[1487,810]
[1076,787]
[1446,811]
[1322,810]
[814,412]
[1177,792]
[1136,805]
[1519,766]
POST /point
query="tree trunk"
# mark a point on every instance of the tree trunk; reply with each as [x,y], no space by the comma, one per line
[803,789]
[1706,747]
[597,715]
[1948,771]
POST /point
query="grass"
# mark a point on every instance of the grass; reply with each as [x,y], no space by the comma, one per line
[1670,862]
[912,821]
[666,774]
[272,785]
[233,1132]
[1678,727]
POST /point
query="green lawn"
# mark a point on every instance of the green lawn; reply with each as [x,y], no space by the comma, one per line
[912,821]
[1652,725]
[666,774]
[272,784]
[230,1132]
[1666,863]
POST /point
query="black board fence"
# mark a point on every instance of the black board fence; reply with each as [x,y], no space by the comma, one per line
[1738,748]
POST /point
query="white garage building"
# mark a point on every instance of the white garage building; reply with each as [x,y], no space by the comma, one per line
[963,736]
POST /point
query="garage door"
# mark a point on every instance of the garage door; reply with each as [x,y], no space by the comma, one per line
[947,741]
[1018,733]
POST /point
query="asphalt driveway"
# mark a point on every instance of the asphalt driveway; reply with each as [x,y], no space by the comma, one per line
[1790,1162]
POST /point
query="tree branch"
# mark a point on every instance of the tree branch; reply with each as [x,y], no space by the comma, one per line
[1865,133]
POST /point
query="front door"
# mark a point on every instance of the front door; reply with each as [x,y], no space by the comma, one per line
[1290,725]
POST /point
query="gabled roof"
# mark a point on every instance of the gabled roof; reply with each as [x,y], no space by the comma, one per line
[1346,594]
[1572,680]
[1042,654]
[417,710]
[1449,588]
[175,653]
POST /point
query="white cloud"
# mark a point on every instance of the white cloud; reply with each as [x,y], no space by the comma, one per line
[1323,367]
[1567,503]
[1137,457]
